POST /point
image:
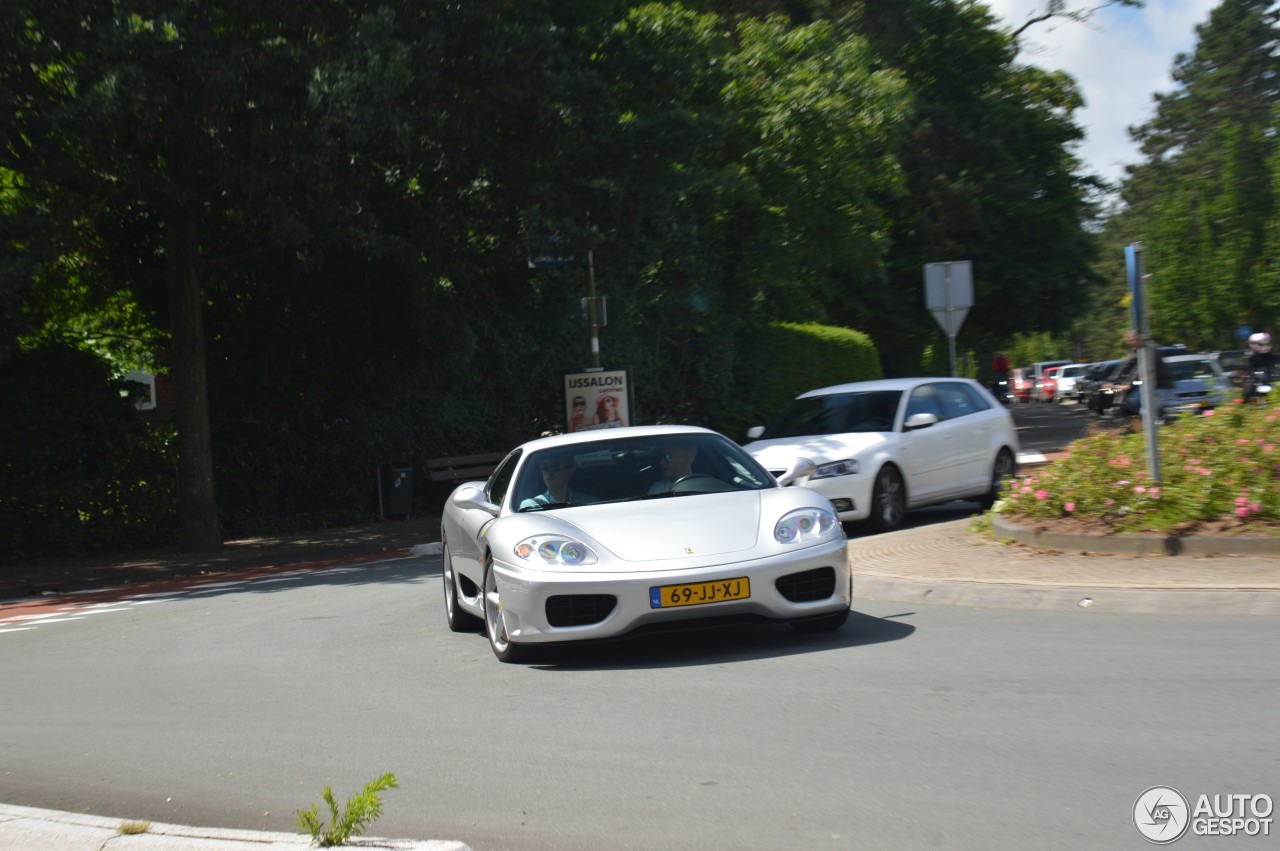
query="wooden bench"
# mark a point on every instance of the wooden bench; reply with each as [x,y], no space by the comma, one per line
[463,468]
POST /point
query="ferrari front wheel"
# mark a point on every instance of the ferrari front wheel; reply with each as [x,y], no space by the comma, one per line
[495,624]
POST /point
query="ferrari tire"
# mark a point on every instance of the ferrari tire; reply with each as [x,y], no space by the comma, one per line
[495,622]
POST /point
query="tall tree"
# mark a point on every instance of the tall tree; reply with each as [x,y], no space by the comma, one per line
[1204,200]
[992,177]
[190,115]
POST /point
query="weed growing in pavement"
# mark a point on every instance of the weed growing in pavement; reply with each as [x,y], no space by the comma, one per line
[133,828]
[1222,466]
[362,808]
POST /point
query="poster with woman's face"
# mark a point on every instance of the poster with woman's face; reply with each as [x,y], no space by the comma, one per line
[597,399]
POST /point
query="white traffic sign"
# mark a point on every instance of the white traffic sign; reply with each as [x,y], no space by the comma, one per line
[948,293]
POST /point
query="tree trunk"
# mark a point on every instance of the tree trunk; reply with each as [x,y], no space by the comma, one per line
[197,507]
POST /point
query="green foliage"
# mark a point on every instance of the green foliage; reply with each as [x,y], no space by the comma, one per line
[361,809]
[81,472]
[786,359]
[1204,203]
[1224,465]
[364,298]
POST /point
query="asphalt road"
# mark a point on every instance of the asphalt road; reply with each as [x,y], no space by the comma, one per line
[909,728]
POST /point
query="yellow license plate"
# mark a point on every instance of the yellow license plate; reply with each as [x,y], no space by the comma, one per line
[698,593]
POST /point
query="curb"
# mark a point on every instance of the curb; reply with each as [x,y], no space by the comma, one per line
[1040,598]
[1137,544]
[29,827]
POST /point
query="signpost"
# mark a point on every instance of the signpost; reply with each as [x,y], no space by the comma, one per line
[1146,355]
[948,292]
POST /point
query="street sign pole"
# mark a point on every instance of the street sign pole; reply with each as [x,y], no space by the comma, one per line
[593,319]
[1147,369]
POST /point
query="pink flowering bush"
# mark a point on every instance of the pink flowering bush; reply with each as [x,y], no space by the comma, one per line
[1220,467]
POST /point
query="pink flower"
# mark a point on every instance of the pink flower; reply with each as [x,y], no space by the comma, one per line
[1242,500]
[1243,511]
[1154,493]
[1109,502]
[1255,508]
[1202,471]
[1070,507]
[1209,412]
[1139,489]
[1242,442]
[1270,447]
[1042,494]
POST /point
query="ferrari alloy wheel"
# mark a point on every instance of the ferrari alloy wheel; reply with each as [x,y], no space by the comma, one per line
[1000,471]
[495,621]
[459,621]
[888,500]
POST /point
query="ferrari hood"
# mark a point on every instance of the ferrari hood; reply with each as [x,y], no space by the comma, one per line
[676,527]
[778,454]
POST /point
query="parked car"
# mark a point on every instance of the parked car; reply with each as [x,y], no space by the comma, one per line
[883,447]
[1090,386]
[1067,379]
[1038,371]
[1048,385]
[1198,385]
[1022,382]
[594,534]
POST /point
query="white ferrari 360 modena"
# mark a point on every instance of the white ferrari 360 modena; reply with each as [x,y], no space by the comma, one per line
[596,534]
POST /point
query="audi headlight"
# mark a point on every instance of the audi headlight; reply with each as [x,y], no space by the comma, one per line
[835,468]
[554,550]
[805,524]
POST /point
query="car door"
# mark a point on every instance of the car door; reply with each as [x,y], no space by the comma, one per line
[926,454]
[973,427]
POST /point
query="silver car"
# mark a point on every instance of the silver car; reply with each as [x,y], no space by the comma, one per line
[882,447]
[593,535]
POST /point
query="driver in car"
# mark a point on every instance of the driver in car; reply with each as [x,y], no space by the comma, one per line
[677,462]
[556,473]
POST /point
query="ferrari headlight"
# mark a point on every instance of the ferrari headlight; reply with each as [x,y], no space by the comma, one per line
[805,524]
[554,550]
[835,468]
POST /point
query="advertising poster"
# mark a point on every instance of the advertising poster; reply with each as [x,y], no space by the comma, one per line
[599,398]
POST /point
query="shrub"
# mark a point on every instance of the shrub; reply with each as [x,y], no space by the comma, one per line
[362,808]
[1223,465]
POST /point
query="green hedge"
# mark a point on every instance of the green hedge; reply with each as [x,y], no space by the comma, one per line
[786,359]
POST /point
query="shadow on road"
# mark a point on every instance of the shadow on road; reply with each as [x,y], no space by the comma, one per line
[719,645]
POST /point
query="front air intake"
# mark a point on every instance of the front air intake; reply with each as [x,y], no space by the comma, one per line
[579,609]
[817,584]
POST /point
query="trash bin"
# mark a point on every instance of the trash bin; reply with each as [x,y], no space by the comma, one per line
[395,489]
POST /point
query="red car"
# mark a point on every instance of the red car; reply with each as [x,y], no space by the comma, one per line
[1047,389]
[1021,382]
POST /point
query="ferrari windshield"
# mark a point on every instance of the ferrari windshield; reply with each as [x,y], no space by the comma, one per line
[621,470]
[837,413]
